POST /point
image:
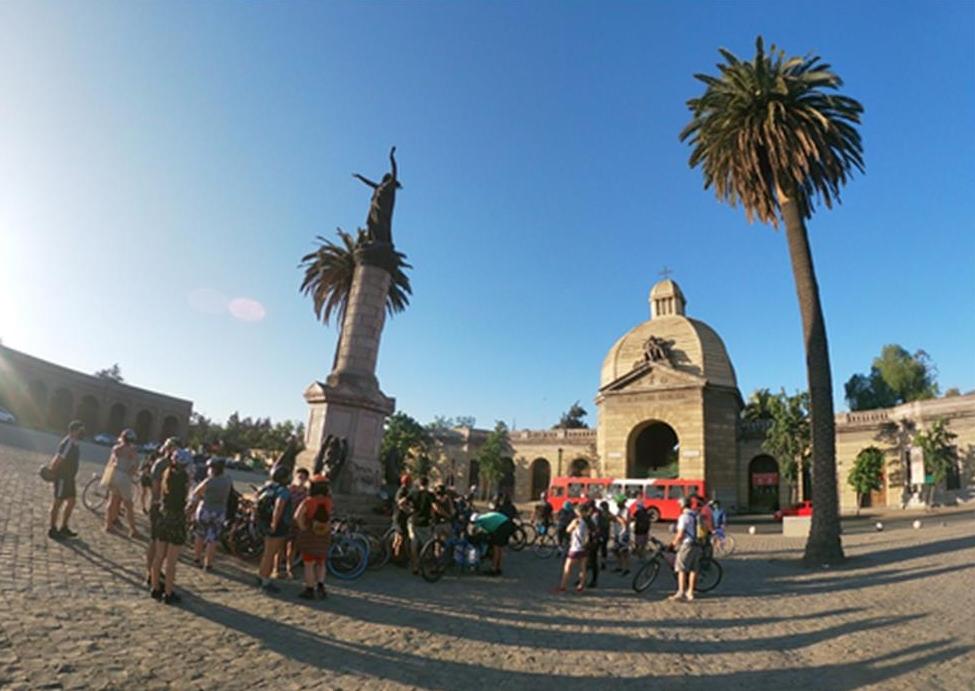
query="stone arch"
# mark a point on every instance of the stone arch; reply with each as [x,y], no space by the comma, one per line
[116,419]
[506,485]
[541,472]
[88,413]
[653,450]
[60,409]
[170,427]
[763,484]
[580,467]
[38,402]
[143,426]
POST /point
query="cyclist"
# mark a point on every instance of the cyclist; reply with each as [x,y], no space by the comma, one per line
[314,535]
[641,528]
[688,561]
[274,515]
[498,529]
[421,498]
[578,532]
[209,506]
[443,512]
[543,514]
[566,515]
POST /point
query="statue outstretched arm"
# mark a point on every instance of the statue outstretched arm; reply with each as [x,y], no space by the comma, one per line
[392,161]
[365,180]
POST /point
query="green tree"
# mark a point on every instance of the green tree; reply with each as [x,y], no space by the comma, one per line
[788,437]
[573,418]
[113,373]
[769,133]
[329,271]
[867,473]
[940,452]
[896,376]
[441,423]
[759,405]
[494,451]
[405,444]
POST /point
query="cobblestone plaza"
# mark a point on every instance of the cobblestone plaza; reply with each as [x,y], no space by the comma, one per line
[76,615]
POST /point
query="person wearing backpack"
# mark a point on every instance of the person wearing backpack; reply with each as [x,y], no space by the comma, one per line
[274,514]
[641,528]
[171,526]
[314,536]
[688,549]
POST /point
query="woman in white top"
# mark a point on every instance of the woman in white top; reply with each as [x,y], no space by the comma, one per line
[120,478]
[578,532]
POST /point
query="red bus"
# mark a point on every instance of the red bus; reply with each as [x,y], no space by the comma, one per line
[659,495]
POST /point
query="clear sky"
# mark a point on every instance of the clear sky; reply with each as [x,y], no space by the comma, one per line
[158,160]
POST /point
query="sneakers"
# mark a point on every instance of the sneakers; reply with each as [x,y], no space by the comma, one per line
[156,594]
[67,532]
[307,594]
[54,534]
[322,593]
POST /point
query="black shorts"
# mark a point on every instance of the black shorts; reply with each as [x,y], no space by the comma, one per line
[154,515]
[145,480]
[64,488]
[500,537]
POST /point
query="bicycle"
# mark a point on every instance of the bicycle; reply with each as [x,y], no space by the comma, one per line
[722,544]
[348,555]
[708,577]
[94,495]
[458,552]
[545,544]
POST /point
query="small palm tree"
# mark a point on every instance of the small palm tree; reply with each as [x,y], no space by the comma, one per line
[768,133]
[329,271]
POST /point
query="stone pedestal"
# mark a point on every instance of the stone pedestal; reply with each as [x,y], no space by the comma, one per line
[349,403]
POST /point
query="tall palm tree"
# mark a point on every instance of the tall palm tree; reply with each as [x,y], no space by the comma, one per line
[770,134]
[328,280]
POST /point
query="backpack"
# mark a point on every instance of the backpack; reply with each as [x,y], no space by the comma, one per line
[641,521]
[266,497]
[700,529]
[320,521]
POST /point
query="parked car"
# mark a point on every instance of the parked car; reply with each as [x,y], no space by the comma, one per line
[149,447]
[104,439]
[803,508]
[7,417]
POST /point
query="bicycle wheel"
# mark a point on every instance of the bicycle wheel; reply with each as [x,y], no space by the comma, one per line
[94,495]
[348,558]
[248,541]
[723,546]
[530,534]
[378,551]
[646,575]
[709,576]
[433,560]
[545,546]
[518,539]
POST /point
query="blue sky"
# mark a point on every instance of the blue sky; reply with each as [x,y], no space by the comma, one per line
[160,159]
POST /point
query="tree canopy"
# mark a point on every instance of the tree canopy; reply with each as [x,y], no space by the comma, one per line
[573,418]
[405,444]
[493,452]
[113,373]
[896,376]
[238,434]
[867,473]
[940,453]
[788,437]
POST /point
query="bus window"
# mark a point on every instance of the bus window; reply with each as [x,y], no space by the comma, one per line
[654,491]
[676,492]
[556,491]
[575,490]
[596,491]
[615,488]
[694,489]
[634,492]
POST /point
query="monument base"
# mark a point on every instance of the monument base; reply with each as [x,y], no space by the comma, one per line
[354,413]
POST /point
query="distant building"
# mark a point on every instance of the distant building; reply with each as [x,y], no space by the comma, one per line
[669,405]
[44,395]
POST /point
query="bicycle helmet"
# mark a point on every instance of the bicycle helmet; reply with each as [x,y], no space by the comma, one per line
[281,474]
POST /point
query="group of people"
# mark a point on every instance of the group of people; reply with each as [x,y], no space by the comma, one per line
[293,510]
[584,531]
[421,514]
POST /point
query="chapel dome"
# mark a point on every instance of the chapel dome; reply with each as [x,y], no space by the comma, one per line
[695,348]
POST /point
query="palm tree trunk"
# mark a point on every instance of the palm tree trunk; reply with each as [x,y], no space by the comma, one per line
[823,545]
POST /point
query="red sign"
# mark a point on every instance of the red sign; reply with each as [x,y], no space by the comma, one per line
[764,479]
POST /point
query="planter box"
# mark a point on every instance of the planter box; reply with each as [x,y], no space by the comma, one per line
[796,526]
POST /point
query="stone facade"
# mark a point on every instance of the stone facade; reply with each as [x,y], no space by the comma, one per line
[44,395]
[669,403]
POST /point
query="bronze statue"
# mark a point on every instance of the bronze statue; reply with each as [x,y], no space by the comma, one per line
[656,349]
[331,457]
[379,223]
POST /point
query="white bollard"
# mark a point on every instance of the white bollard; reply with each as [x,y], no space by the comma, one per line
[751,530]
[879,526]
[917,525]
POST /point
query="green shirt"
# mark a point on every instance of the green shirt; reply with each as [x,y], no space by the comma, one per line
[491,521]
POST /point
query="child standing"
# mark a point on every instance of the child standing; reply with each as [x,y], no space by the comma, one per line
[314,537]
[578,533]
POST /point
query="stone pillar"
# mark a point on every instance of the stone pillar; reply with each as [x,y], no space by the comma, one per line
[349,403]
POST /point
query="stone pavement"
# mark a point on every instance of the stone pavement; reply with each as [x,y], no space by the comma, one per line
[75,615]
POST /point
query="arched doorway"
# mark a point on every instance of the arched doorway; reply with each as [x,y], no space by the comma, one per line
[116,419]
[59,412]
[763,484]
[580,468]
[653,451]
[38,399]
[506,485]
[88,414]
[170,427]
[541,476]
[143,426]
[474,474]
